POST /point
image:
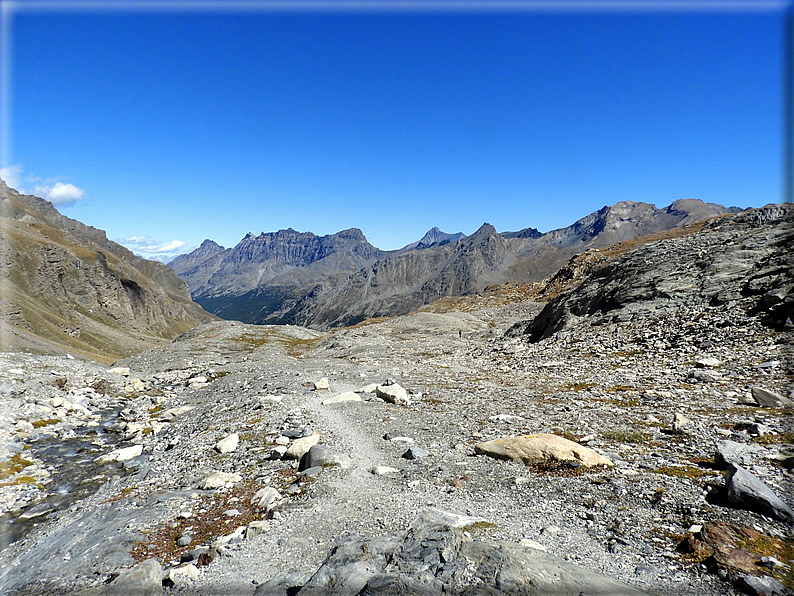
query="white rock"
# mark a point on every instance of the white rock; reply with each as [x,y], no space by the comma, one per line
[367,388]
[282,440]
[231,512]
[346,396]
[123,454]
[707,362]
[169,415]
[321,384]
[278,452]
[184,574]
[219,480]
[393,394]
[265,498]
[57,402]
[255,528]
[228,444]
[300,447]
[122,371]
[269,399]
[526,542]
[508,418]
[383,470]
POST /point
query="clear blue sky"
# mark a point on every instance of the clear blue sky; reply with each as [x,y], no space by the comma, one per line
[185,126]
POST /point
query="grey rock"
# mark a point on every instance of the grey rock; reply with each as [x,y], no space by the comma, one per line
[745,491]
[416,453]
[769,399]
[144,579]
[740,454]
[321,455]
[184,540]
[437,556]
[761,585]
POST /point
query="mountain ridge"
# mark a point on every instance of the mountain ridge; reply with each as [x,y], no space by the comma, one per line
[67,286]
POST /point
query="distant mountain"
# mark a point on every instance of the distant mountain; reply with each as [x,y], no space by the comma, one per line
[254,279]
[433,236]
[402,283]
[341,279]
[65,286]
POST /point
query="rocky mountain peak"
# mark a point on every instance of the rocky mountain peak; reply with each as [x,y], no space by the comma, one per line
[485,231]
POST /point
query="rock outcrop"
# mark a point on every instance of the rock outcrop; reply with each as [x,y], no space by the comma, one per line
[746,255]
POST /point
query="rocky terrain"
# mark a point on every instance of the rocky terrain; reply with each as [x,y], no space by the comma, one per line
[281,278]
[643,445]
[66,287]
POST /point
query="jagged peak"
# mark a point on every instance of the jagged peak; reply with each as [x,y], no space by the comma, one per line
[352,234]
[210,244]
[486,230]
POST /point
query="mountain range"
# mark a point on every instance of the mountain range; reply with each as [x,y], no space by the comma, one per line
[341,279]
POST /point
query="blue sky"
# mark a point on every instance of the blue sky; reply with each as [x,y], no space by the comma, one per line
[172,127]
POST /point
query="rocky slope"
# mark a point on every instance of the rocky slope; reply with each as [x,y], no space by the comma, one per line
[745,256]
[65,284]
[428,452]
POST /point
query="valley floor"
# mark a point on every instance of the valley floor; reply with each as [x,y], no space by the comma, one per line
[616,388]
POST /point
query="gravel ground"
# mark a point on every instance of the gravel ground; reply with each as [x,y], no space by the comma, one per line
[614,387]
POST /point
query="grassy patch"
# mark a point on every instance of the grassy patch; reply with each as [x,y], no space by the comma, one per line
[206,526]
[682,471]
[13,466]
[479,528]
[45,422]
[621,388]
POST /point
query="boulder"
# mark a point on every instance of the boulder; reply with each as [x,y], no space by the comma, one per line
[219,480]
[144,579]
[123,454]
[740,454]
[184,574]
[769,399]
[228,444]
[416,453]
[265,498]
[300,447]
[321,455]
[321,384]
[708,362]
[745,491]
[346,396]
[539,449]
[393,394]
[438,556]
[255,528]
[121,371]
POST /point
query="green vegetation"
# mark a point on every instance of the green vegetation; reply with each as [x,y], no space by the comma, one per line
[45,422]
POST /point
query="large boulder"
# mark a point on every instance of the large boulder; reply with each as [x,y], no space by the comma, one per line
[745,491]
[320,455]
[300,447]
[439,556]
[541,449]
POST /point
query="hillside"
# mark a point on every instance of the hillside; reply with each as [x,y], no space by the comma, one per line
[66,287]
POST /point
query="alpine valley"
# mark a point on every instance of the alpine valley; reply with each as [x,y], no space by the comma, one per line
[606,408]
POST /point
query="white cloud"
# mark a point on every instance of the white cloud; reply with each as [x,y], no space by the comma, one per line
[12,175]
[146,247]
[60,193]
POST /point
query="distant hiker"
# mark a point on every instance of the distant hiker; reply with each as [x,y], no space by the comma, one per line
[460,333]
